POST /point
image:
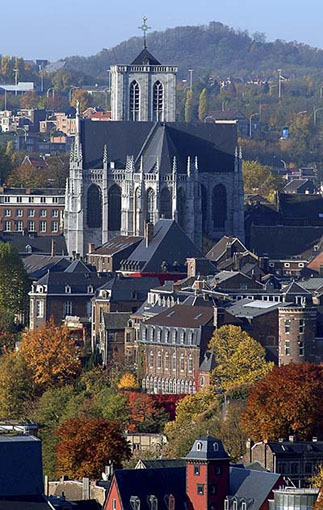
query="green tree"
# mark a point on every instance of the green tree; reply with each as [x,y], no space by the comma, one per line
[62,80]
[258,178]
[15,386]
[188,106]
[203,105]
[14,284]
[239,358]
[81,96]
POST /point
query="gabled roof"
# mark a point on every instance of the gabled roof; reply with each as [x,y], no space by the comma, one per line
[78,282]
[208,364]
[27,244]
[213,144]
[301,206]
[123,288]
[183,316]
[295,288]
[252,485]
[295,184]
[219,249]
[145,58]
[169,245]
[160,463]
[116,245]
[38,265]
[24,503]
[207,448]
[78,266]
[160,482]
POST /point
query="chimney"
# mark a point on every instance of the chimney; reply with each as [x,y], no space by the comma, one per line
[109,470]
[73,255]
[236,261]
[149,233]
[46,485]
[86,489]
[264,264]
[91,248]
[314,439]
[52,250]
[228,254]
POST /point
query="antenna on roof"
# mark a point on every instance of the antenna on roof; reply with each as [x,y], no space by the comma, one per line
[144,27]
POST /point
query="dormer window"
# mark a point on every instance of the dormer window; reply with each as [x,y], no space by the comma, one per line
[199,446]
[68,289]
[135,503]
[153,502]
[90,289]
[215,447]
[235,505]
[243,505]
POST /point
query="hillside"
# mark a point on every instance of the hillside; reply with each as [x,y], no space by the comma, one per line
[213,48]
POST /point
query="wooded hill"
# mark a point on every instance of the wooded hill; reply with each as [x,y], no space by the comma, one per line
[215,48]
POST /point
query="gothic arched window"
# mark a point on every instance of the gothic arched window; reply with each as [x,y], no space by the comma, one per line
[204,207]
[181,208]
[219,206]
[165,209]
[134,100]
[150,199]
[114,208]
[158,101]
[94,207]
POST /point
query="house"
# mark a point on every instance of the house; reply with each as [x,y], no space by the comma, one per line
[296,460]
[172,345]
[109,256]
[29,243]
[112,337]
[202,480]
[304,186]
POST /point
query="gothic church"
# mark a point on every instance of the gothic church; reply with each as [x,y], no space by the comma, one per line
[143,165]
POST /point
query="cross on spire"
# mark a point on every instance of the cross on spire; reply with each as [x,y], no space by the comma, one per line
[144,27]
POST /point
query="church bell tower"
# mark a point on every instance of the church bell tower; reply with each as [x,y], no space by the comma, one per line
[145,90]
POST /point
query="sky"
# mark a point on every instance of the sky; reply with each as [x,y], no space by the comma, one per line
[59,28]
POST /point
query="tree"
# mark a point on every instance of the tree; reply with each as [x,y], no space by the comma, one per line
[203,105]
[127,381]
[145,414]
[27,176]
[188,106]
[81,96]
[14,284]
[15,386]
[258,178]
[51,355]
[239,358]
[86,446]
[317,479]
[29,100]
[288,400]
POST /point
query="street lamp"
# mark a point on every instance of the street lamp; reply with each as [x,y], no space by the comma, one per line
[48,91]
[250,124]
[191,78]
[315,110]
[279,83]
[25,131]
[73,87]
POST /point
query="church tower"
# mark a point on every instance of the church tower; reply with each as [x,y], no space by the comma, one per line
[145,90]
[207,474]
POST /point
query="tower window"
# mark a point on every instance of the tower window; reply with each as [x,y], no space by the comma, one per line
[215,447]
[200,489]
[134,101]
[196,469]
[158,101]
[199,446]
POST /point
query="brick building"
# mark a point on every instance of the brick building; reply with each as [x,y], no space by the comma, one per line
[37,211]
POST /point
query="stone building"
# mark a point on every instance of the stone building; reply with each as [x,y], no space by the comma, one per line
[144,166]
[297,334]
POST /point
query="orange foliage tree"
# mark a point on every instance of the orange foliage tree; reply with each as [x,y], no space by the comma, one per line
[288,400]
[128,380]
[51,355]
[87,445]
[145,413]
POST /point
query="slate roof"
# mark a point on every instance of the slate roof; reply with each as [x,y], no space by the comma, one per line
[145,58]
[38,265]
[24,503]
[296,447]
[121,288]
[295,288]
[253,485]
[117,244]
[213,144]
[78,281]
[115,320]
[219,249]
[183,316]
[169,244]
[207,448]
[144,482]
[301,206]
[162,463]
[208,362]
[294,185]
[312,283]
[250,309]
[283,242]
[37,244]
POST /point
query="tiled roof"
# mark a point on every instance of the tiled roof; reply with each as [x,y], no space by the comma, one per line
[117,244]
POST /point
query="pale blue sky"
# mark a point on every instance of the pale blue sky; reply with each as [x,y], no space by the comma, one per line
[54,29]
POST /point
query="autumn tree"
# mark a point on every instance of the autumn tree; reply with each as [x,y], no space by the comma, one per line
[203,105]
[317,478]
[127,381]
[51,355]
[15,386]
[86,446]
[26,175]
[188,106]
[288,400]
[145,414]
[81,96]
[240,359]
[14,285]
[29,100]
[258,178]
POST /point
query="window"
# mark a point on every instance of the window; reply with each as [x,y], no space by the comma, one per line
[135,503]
[174,361]
[301,326]
[67,289]
[190,363]
[43,226]
[182,363]
[286,264]
[159,360]
[202,381]
[19,226]
[19,212]
[244,506]
[55,200]
[134,101]
[7,199]
[215,447]
[171,502]
[54,213]
[218,470]
[54,226]
[166,361]
[158,101]
[114,504]
[7,226]
[235,505]
[200,489]
[301,264]
[43,200]
[226,504]
[153,502]
[301,347]
[31,226]
[31,200]
[68,308]
[287,347]
[43,213]
[287,326]
[199,446]
[39,309]
[151,359]
[19,199]
[196,469]
[7,212]
[212,488]
[128,338]
[31,213]
[90,289]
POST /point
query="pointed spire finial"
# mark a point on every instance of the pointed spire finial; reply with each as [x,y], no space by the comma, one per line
[77,108]
[189,166]
[174,165]
[144,27]
[105,154]
[240,152]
